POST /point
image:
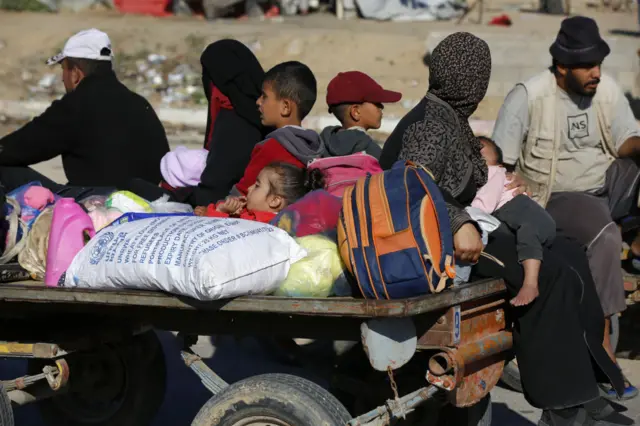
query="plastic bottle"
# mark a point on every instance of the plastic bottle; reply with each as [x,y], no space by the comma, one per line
[66,238]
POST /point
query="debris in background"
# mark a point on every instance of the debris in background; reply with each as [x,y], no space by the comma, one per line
[295,47]
[48,81]
[501,21]
[152,75]
[155,59]
[29,5]
[254,46]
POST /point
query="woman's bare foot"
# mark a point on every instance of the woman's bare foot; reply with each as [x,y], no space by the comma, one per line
[526,295]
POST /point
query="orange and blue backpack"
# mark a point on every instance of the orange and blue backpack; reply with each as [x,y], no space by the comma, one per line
[394,234]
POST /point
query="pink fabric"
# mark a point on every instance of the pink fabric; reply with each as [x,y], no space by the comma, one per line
[344,171]
[316,212]
[493,194]
[183,167]
[101,217]
[38,197]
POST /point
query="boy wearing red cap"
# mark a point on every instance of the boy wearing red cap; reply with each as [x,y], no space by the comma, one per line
[357,101]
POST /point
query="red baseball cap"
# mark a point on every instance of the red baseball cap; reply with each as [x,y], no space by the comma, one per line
[355,87]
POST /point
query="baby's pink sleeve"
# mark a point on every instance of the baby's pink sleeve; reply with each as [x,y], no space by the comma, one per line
[488,197]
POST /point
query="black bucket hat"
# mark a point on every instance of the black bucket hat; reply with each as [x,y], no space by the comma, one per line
[579,42]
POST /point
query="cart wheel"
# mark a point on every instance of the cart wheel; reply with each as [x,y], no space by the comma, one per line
[6,413]
[273,399]
[511,377]
[476,415]
[119,384]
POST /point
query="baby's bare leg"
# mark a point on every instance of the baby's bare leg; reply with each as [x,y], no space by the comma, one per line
[529,290]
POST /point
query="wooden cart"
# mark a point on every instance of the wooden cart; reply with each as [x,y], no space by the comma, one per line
[95,360]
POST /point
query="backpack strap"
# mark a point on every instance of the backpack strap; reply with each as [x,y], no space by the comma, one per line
[492,258]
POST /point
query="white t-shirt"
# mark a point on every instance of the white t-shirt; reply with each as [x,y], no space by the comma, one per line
[582,159]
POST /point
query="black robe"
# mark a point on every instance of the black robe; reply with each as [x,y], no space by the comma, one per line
[560,333]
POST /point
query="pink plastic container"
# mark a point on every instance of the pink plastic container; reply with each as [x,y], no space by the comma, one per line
[66,238]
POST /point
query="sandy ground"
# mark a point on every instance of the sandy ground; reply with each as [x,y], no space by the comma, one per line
[391,52]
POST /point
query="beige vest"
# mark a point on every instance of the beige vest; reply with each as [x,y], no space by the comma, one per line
[539,154]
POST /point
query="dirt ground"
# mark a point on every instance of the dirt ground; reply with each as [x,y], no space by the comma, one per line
[391,52]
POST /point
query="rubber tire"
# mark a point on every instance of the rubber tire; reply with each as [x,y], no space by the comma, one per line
[6,412]
[146,372]
[511,377]
[288,398]
[476,415]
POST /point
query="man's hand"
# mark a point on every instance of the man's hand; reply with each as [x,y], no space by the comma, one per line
[630,148]
[232,205]
[467,243]
[200,211]
[518,183]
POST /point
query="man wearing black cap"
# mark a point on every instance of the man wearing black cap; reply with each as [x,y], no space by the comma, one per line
[571,133]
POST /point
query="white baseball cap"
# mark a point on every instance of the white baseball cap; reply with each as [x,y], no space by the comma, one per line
[87,44]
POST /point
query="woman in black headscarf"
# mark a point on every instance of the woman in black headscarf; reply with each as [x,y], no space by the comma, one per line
[557,336]
[232,82]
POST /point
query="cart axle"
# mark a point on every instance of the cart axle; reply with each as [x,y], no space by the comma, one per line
[395,409]
[209,378]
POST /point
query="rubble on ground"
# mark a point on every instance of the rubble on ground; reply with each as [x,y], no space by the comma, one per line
[170,81]
[165,77]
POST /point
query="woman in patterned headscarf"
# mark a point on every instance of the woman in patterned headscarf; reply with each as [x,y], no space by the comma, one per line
[436,132]
[558,335]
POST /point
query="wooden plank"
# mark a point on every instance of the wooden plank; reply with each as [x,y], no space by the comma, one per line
[37,293]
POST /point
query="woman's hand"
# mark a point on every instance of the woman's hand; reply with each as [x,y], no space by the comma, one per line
[467,243]
[200,211]
[518,183]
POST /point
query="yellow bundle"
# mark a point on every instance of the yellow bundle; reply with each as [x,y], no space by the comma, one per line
[315,275]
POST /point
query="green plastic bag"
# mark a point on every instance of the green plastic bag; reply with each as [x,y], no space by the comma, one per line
[128,202]
[315,275]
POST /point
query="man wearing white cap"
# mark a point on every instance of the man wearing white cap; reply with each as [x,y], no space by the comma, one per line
[105,133]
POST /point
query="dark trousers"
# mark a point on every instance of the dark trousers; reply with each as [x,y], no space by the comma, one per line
[591,220]
[152,192]
[533,226]
[558,335]
[14,177]
[147,190]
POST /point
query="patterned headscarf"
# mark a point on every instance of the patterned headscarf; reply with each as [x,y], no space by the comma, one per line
[459,75]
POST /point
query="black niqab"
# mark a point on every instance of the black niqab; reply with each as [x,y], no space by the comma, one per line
[235,71]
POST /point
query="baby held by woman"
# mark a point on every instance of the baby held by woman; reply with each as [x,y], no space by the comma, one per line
[277,186]
[532,225]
